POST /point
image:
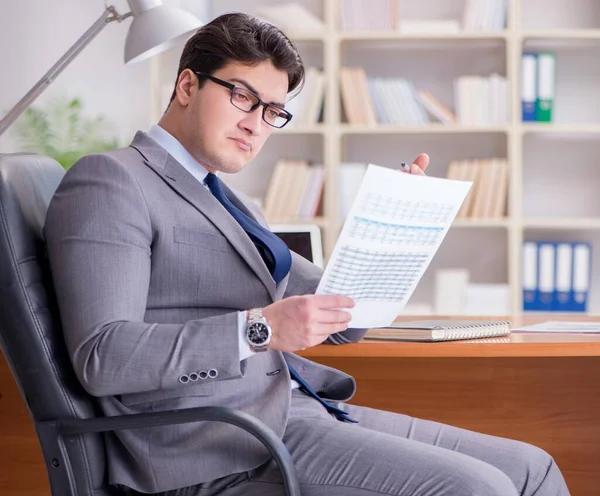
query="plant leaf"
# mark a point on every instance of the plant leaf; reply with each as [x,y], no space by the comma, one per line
[60,131]
[33,130]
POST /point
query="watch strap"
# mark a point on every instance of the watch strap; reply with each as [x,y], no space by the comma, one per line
[255,314]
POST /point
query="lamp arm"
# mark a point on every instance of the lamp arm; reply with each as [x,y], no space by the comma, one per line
[109,15]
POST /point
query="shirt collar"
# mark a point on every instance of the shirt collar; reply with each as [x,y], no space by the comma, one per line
[178,152]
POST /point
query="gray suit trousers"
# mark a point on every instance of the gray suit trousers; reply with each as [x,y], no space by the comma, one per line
[393,454]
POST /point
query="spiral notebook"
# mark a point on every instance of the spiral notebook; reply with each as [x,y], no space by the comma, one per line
[440,330]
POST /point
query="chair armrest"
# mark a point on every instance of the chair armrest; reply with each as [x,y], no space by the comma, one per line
[243,420]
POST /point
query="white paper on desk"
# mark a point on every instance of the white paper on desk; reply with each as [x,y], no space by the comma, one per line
[394,228]
[556,326]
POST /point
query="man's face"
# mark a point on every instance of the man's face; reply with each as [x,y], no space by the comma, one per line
[219,135]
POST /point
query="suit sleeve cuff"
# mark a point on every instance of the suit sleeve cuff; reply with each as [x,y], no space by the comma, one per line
[244,347]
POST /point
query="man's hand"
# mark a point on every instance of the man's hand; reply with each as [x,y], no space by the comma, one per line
[300,322]
[420,164]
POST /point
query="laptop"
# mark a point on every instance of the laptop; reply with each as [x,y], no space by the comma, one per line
[303,239]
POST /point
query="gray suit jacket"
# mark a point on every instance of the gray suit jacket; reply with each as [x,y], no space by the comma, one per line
[150,271]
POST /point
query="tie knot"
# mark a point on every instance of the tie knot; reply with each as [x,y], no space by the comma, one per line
[211,180]
[214,185]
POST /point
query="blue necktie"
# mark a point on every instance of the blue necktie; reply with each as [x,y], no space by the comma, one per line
[305,388]
[277,256]
[273,250]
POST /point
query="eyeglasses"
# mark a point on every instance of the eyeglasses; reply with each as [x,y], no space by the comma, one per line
[248,102]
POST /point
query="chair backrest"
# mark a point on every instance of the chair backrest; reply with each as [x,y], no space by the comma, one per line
[30,332]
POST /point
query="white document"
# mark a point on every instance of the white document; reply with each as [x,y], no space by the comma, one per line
[395,226]
[566,327]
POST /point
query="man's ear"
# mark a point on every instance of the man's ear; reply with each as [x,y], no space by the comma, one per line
[187,86]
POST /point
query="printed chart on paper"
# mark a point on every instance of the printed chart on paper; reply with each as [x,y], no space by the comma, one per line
[395,226]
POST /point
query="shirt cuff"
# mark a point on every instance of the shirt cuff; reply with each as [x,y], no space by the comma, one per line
[244,347]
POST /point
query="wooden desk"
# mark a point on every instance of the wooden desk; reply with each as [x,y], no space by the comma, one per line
[23,472]
[542,389]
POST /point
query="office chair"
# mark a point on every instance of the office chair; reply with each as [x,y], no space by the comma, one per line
[67,422]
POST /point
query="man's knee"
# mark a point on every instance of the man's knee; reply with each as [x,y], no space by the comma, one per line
[535,457]
[461,475]
[534,463]
[486,481]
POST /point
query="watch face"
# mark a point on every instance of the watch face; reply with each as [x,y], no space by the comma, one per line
[257,333]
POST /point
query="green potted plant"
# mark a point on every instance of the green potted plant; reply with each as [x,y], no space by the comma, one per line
[60,131]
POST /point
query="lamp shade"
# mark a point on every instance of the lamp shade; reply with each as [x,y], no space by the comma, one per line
[156,28]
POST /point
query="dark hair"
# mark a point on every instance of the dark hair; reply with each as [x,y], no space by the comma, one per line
[241,38]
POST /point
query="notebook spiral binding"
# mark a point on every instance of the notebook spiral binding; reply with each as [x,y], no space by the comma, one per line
[485,329]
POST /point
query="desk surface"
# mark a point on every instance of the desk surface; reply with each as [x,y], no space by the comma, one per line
[517,344]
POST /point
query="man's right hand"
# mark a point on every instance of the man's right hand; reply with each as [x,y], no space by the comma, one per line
[299,322]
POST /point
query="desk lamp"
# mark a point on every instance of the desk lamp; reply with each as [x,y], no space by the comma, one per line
[155,28]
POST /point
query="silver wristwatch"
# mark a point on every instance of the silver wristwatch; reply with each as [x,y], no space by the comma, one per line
[258,331]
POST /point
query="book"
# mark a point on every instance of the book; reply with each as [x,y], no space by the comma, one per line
[563,327]
[436,108]
[440,330]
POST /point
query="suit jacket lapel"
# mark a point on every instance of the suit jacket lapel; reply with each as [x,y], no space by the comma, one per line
[188,187]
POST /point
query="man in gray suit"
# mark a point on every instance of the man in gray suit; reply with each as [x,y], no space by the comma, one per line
[173,294]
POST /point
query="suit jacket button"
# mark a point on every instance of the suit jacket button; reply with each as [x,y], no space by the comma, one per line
[184,379]
[203,374]
[212,373]
[193,377]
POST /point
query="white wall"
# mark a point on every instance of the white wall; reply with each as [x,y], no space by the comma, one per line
[34,34]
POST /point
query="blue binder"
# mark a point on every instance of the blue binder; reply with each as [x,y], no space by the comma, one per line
[529,276]
[556,276]
[546,275]
[529,75]
[563,282]
[582,267]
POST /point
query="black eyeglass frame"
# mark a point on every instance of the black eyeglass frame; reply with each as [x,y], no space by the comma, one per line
[232,87]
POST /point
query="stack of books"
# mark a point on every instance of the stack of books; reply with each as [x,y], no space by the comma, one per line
[488,196]
[306,107]
[373,100]
[484,15]
[368,15]
[382,15]
[294,191]
[481,100]
[356,99]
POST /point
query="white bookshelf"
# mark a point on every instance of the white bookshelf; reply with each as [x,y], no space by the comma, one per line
[393,36]
[550,164]
[433,128]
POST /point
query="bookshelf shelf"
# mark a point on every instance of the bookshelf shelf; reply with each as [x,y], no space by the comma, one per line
[428,129]
[592,223]
[562,34]
[490,248]
[483,223]
[352,36]
[318,129]
[306,35]
[561,128]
